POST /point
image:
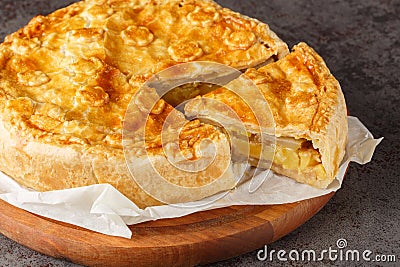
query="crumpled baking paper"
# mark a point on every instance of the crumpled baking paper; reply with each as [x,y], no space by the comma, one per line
[101,208]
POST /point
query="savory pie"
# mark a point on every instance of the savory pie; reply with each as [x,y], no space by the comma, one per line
[66,81]
[309,117]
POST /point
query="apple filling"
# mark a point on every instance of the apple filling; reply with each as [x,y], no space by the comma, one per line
[291,154]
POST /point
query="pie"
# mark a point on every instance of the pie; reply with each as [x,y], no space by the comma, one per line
[67,81]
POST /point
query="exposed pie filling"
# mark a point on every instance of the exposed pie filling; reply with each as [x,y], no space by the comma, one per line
[289,153]
[185,92]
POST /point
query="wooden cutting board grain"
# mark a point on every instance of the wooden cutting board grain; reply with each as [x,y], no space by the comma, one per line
[199,238]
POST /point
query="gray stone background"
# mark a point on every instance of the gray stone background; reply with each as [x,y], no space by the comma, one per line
[360,42]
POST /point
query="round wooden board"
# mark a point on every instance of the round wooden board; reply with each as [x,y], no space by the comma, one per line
[199,238]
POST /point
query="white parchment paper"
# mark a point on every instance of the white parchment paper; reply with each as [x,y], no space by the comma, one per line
[103,209]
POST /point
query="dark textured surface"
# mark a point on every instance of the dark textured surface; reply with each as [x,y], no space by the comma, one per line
[360,42]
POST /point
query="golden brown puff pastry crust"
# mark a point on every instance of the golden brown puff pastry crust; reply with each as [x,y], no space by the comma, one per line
[306,102]
[66,80]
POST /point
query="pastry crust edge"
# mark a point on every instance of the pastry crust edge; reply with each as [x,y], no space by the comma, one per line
[77,166]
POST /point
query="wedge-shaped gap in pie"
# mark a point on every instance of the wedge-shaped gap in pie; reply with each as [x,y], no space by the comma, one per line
[309,113]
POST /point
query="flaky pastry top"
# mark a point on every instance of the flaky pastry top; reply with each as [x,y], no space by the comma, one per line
[300,91]
[68,77]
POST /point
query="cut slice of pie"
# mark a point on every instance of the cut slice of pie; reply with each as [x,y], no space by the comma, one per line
[66,81]
[309,114]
